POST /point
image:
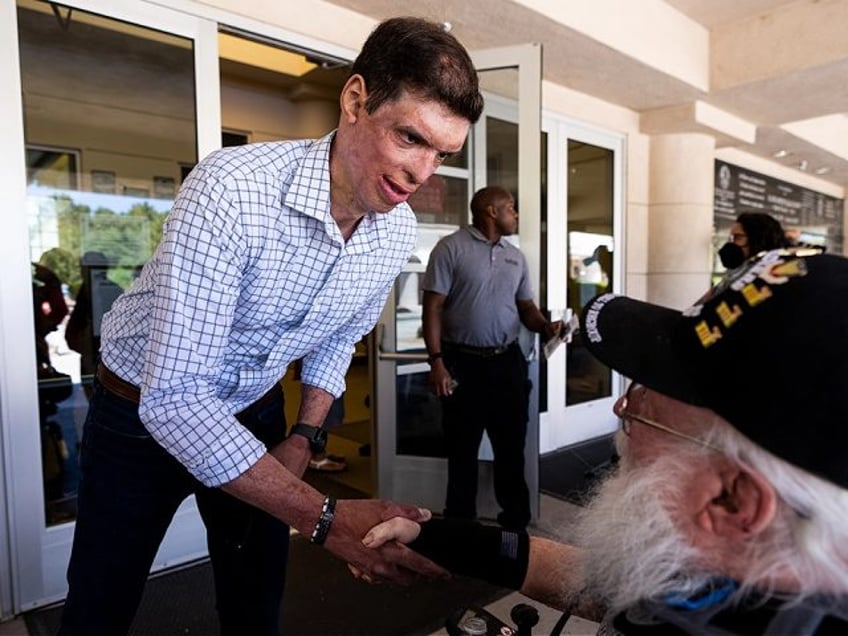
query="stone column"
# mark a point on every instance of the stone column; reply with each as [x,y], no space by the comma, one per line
[680,218]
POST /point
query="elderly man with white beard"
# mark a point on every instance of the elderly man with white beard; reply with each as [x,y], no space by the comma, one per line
[728,512]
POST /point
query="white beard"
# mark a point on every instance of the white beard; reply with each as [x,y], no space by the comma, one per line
[634,549]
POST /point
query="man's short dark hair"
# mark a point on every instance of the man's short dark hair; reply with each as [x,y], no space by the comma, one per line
[484,197]
[418,56]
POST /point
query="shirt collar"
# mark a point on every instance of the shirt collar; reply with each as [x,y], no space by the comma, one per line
[479,236]
[309,193]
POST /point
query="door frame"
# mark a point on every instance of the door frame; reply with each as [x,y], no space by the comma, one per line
[422,480]
[39,555]
[563,425]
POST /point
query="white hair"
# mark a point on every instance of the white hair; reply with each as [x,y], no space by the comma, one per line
[636,548]
[809,538]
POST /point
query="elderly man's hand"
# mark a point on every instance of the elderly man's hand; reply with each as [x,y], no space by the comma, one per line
[395,529]
[389,560]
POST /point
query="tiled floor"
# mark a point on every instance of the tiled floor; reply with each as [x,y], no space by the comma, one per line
[15,627]
[569,472]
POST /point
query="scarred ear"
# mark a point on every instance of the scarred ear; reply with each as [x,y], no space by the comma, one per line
[746,505]
[352,98]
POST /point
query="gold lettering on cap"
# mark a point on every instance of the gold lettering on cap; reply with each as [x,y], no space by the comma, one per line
[727,315]
[707,336]
[755,296]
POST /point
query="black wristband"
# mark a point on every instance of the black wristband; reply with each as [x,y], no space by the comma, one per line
[433,357]
[483,552]
[316,435]
[322,526]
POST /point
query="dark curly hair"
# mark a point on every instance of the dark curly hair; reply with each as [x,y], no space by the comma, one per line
[419,56]
[764,232]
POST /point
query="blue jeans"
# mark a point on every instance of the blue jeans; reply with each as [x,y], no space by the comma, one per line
[129,491]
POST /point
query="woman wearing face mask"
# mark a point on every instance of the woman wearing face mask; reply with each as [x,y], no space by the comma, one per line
[753,232]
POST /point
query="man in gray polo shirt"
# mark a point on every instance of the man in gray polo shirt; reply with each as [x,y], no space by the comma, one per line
[477,293]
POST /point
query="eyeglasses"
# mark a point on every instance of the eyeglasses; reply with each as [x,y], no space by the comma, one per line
[627,417]
[737,235]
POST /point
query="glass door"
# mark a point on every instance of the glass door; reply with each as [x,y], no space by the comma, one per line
[119,100]
[585,258]
[503,149]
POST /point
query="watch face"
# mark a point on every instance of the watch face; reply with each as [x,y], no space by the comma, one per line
[319,441]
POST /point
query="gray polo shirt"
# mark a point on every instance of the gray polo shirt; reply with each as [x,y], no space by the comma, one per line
[482,282]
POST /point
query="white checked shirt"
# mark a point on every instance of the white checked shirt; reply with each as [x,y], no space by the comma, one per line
[252,273]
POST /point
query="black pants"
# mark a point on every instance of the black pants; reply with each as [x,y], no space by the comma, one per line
[493,396]
[129,491]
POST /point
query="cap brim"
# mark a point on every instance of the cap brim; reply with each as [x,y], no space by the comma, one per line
[637,339]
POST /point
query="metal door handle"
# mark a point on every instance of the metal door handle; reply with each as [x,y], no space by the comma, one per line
[396,355]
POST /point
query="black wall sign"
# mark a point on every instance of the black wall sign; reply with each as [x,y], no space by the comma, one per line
[817,216]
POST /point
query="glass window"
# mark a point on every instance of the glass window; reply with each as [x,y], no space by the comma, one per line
[109,116]
[590,260]
[441,207]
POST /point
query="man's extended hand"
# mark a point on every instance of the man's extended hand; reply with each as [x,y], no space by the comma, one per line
[391,561]
[394,529]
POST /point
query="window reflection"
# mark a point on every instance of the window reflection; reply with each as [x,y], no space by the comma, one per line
[502,156]
[441,206]
[109,125]
[590,260]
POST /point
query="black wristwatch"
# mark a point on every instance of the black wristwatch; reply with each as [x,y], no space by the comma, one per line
[316,435]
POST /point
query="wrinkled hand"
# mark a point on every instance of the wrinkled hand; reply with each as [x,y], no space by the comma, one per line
[395,529]
[389,561]
[440,380]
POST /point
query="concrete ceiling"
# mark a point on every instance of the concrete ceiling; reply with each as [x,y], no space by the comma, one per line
[774,103]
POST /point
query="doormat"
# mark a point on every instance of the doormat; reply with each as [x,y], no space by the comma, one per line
[321,599]
[570,473]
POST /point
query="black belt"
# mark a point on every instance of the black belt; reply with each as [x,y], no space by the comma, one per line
[480,352]
[128,391]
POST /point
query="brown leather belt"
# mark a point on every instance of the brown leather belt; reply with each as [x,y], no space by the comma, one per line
[117,385]
[123,389]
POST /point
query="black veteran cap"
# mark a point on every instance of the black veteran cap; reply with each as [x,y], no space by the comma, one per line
[768,351]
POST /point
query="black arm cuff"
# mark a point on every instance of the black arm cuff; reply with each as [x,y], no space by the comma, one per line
[483,552]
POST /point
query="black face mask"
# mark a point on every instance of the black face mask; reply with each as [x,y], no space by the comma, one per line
[731,255]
